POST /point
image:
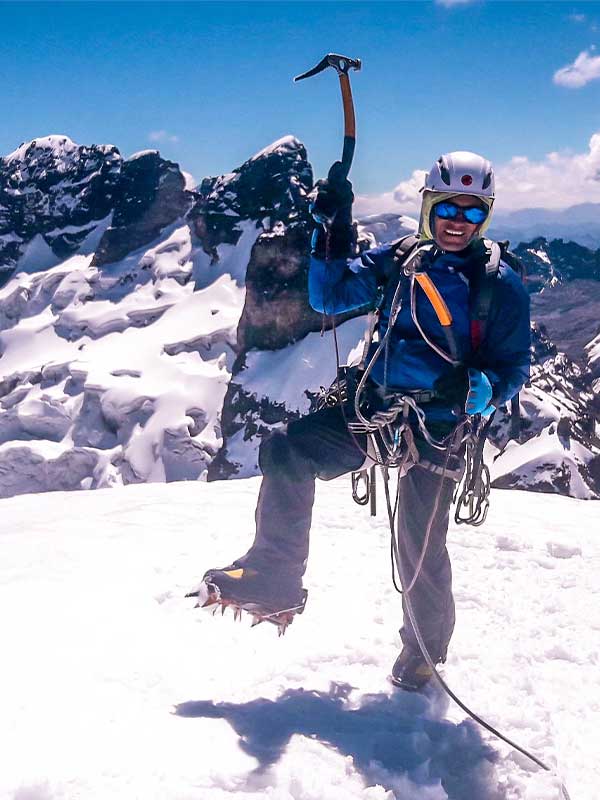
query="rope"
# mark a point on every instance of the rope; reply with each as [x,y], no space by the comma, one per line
[476,487]
[432,516]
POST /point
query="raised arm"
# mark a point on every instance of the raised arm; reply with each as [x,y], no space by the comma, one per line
[338,281]
[345,283]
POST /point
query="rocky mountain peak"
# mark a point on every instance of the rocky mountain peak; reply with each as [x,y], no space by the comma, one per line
[270,187]
[557,261]
[56,146]
[57,190]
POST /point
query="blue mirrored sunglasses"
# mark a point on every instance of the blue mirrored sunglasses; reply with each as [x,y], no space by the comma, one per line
[473,214]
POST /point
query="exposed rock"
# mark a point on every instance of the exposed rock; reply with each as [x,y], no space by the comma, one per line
[559,443]
[53,188]
[182,457]
[245,419]
[570,312]
[151,196]
[276,311]
[557,261]
[272,186]
[91,427]
[23,470]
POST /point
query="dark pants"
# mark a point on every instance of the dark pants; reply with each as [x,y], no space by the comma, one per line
[320,446]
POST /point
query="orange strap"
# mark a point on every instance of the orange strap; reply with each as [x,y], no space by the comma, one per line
[435,298]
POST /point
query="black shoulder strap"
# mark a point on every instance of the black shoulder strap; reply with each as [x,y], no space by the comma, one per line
[482,288]
[401,249]
[513,261]
[482,294]
[484,281]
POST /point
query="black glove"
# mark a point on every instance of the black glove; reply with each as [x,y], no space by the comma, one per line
[334,235]
[453,388]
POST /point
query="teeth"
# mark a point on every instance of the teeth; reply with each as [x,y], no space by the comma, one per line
[454,233]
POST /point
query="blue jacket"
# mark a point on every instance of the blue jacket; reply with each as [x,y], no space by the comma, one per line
[342,285]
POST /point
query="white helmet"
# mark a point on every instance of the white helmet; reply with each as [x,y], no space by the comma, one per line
[456,173]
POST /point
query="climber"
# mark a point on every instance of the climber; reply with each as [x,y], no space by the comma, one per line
[458,346]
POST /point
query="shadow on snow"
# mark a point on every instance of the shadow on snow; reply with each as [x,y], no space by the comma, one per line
[389,737]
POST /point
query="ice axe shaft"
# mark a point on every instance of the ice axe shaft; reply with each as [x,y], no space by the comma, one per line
[342,65]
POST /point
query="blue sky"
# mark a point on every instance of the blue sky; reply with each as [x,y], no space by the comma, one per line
[209,83]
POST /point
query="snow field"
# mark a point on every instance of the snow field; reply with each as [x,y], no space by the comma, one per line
[113,686]
[135,360]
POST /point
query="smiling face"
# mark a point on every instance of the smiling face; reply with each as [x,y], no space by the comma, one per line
[454,235]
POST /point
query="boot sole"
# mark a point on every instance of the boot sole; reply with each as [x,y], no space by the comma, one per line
[208,595]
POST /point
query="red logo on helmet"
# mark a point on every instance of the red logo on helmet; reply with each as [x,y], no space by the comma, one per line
[466,180]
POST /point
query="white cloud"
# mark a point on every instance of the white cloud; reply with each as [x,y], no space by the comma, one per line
[559,180]
[404,199]
[584,69]
[577,17]
[162,136]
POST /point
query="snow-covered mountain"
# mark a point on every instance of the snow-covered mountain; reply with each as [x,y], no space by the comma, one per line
[149,332]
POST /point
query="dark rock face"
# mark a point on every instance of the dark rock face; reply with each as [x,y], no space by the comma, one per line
[248,416]
[276,312]
[556,261]
[57,189]
[563,279]
[570,312]
[270,187]
[151,195]
[542,346]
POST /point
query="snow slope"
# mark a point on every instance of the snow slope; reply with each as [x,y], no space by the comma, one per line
[118,374]
[114,687]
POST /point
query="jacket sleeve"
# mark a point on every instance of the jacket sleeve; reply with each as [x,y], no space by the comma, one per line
[505,356]
[345,284]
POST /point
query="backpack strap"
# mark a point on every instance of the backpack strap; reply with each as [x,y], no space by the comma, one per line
[401,250]
[482,295]
[482,292]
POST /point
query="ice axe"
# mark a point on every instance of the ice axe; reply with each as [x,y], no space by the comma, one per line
[342,65]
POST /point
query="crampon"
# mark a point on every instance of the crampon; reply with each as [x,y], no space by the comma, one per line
[208,596]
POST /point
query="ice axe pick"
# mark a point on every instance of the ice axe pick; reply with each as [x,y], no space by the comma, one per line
[342,65]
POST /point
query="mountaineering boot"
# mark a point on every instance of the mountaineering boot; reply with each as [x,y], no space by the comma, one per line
[410,670]
[268,598]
